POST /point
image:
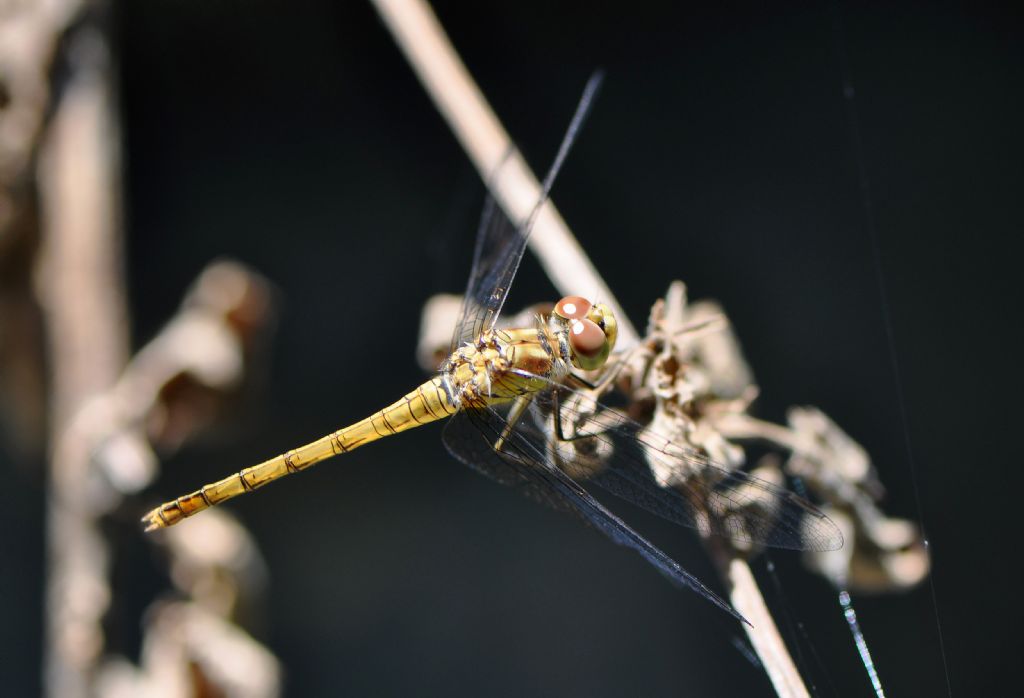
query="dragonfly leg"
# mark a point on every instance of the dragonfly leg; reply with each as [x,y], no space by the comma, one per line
[556,414]
[517,411]
[595,420]
[579,382]
[596,389]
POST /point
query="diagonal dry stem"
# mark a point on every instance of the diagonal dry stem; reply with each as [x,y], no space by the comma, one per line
[444,76]
[474,123]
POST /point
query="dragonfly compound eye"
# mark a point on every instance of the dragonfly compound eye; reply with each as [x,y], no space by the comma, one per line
[572,308]
[589,344]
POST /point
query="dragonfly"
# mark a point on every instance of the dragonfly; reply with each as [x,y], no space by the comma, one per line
[520,412]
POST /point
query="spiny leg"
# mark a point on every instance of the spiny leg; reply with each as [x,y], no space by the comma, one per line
[556,415]
[515,414]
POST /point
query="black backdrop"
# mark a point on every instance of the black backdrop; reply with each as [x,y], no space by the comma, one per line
[294,137]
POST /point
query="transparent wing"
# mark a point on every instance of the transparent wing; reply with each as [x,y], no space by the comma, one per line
[601,445]
[499,249]
[500,244]
[526,466]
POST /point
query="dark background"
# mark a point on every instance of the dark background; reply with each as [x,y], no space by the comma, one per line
[294,137]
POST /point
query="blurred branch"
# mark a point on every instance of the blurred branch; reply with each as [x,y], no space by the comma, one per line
[172,389]
[882,553]
[82,291]
[189,652]
[177,384]
[30,34]
[108,413]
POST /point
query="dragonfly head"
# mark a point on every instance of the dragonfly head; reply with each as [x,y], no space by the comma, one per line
[592,330]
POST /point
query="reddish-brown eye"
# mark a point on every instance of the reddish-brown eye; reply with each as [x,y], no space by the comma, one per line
[573,307]
[586,338]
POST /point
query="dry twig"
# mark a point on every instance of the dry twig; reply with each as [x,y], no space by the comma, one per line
[421,38]
[499,162]
[728,388]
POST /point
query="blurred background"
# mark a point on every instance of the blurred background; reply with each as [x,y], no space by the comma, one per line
[294,138]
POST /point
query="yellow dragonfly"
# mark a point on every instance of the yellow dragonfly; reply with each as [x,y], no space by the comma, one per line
[519,412]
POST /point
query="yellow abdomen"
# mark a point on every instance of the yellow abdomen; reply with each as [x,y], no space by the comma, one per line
[427,403]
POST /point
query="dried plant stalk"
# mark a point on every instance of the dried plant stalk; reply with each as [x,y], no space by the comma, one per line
[762,632]
[108,414]
[512,183]
[82,291]
[820,452]
[421,38]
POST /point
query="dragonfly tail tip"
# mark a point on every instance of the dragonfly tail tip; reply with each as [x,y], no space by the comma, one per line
[152,522]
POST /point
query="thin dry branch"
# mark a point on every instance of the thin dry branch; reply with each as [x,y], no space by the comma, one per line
[762,632]
[422,39]
[515,187]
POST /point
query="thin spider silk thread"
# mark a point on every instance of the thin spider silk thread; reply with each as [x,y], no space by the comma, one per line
[871,231]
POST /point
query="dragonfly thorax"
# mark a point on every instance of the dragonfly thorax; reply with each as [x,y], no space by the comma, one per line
[501,365]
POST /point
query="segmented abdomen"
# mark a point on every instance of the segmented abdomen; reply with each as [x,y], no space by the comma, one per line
[427,403]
